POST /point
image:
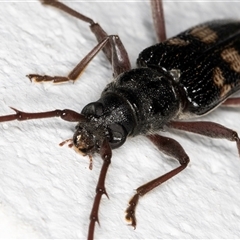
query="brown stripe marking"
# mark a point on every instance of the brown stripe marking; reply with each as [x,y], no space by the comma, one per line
[177,41]
[232,57]
[218,77]
[219,80]
[205,34]
[225,89]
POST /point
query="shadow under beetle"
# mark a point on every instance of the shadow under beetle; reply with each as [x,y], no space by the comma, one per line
[183,77]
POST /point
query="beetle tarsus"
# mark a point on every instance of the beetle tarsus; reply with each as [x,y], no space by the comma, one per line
[46,78]
[130,211]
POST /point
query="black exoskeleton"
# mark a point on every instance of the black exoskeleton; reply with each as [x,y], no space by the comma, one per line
[183,77]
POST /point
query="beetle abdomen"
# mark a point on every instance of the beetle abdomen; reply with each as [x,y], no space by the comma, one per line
[208,59]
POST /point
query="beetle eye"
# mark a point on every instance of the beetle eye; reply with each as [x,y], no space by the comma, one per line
[94,108]
[118,135]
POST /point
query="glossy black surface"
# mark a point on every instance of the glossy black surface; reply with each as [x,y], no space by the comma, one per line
[197,59]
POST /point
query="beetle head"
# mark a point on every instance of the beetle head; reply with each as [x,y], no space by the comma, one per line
[88,138]
[102,121]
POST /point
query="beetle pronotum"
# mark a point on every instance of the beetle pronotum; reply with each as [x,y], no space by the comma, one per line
[34,212]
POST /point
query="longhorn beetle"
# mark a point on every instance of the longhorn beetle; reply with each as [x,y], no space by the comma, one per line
[117,133]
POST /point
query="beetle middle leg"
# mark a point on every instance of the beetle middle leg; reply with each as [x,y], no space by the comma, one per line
[171,148]
[158,19]
[110,44]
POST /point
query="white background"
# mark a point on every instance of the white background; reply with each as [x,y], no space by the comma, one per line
[46,191]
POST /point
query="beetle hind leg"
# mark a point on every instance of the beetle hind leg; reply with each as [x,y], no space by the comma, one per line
[232,102]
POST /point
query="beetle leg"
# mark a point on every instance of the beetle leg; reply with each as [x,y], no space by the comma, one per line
[171,148]
[66,114]
[106,155]
[76,71]
[114,51]
[158,19]
[209,129]
[232,102]
[111,46]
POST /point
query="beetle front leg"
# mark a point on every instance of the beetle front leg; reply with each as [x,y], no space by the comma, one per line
[73,75]
[171,148]
[110,44]
[106,155]
[114,51]
[209,129]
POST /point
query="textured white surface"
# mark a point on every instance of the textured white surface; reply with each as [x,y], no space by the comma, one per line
[46,191]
